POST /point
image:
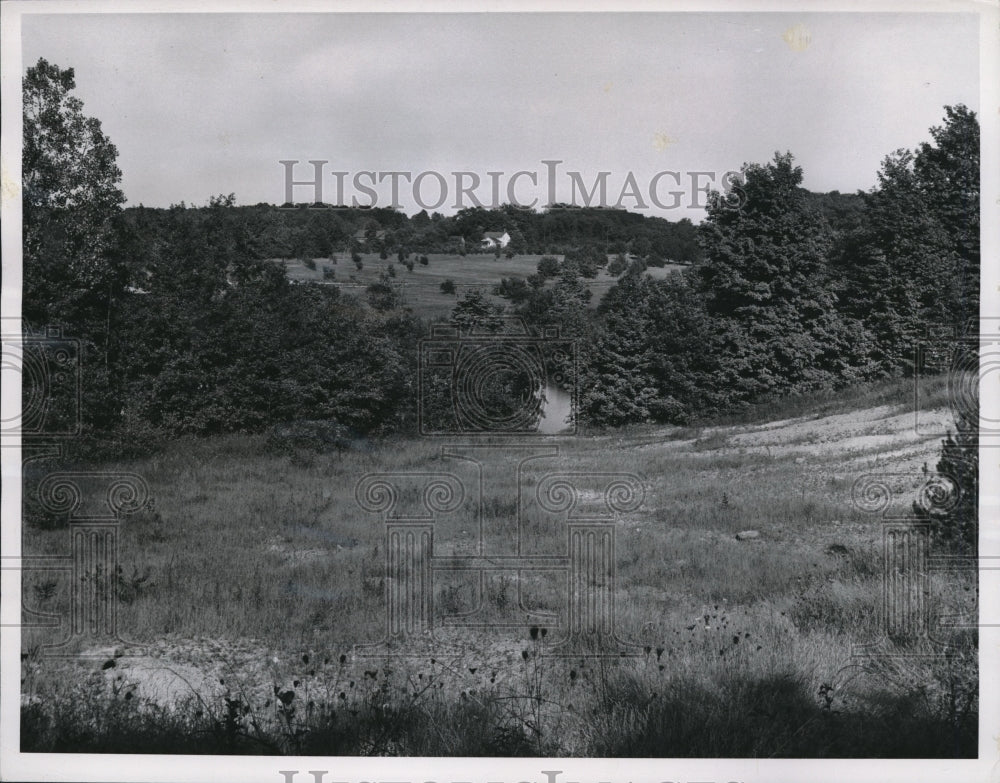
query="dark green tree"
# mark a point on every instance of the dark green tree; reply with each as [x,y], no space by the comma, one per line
[954,514]
[384,294]
[617,265]
[74,273]
[617,386]
[948,169]
[766,281]
[71,198]
[687,364]
[223,342]
[657,357]
[955,522]
[513,289]
[913,264]
[569,306]
[548,267]
[474,313]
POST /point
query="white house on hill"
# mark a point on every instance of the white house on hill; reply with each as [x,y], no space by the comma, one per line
[496,239]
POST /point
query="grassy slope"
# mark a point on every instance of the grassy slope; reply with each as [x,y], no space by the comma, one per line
[421,287]
[256,559]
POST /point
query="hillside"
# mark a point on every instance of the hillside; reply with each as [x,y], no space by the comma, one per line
[283,574]
[421,288]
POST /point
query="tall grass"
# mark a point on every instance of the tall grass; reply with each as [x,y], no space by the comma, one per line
[745,646]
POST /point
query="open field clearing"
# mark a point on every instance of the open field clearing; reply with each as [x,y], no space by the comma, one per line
[247,597]
[422,287]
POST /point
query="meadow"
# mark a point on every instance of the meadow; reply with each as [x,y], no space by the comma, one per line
[421,288]
[247,595]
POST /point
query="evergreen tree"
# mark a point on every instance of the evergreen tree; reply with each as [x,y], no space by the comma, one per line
[568,308]
[766,282]
[618,386]
[954,516]
[474,313]
[913,265]
[956,525]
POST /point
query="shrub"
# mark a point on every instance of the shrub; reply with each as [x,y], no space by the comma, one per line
[548,266]
[618,265]
[514,289]
[955,522]
[385,295]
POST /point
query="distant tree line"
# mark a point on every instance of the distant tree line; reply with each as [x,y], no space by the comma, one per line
[305,231]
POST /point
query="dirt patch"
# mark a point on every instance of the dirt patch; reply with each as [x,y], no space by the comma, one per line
[293,553]
[867,437]
[202,673]
[170,672]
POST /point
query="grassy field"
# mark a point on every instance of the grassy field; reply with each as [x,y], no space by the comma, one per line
[422,286]
[246,593]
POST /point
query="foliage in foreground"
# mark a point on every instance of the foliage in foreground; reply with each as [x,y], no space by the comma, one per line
[626,710]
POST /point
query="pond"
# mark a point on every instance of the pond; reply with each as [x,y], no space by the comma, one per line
[557,411]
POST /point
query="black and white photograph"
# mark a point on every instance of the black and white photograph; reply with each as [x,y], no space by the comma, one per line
[520,393]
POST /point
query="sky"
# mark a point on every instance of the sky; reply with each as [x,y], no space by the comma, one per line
[204,104]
